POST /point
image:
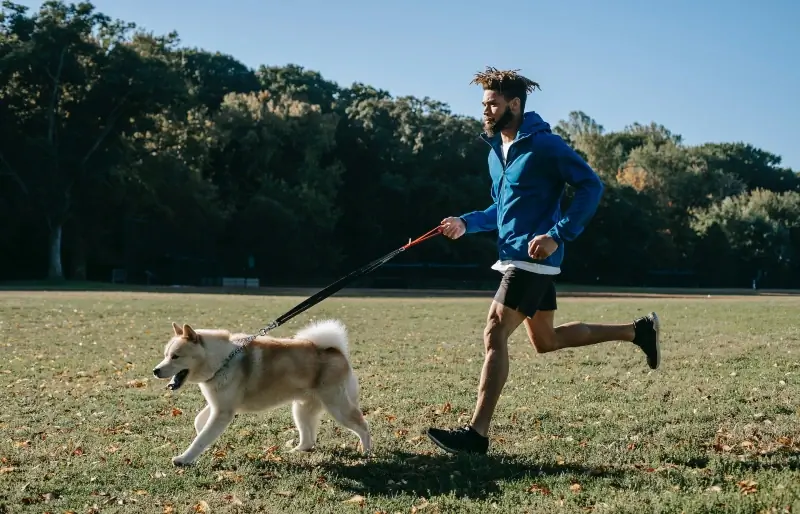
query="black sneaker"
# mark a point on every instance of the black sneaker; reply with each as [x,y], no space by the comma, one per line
[647,332]
[464,439]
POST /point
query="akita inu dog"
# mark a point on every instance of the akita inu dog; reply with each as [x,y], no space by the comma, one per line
[311,370]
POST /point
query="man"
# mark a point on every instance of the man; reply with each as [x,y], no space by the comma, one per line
[529,167]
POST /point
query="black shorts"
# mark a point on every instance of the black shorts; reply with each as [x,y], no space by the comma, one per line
[526,292]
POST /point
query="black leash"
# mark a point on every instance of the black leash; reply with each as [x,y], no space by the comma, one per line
[319,296]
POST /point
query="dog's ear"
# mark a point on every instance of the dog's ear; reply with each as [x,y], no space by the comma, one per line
[178,330]
[189,333]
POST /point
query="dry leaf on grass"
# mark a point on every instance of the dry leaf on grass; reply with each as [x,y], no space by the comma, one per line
[233,499]
[358,499]
[201,507]
[536,488]
[748,486]
[575,487]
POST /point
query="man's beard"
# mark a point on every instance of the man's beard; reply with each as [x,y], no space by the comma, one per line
[493,127]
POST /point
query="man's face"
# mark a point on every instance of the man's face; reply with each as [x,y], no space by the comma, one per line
[497,112]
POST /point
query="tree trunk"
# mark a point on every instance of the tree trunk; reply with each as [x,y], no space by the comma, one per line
[78,257]
[55,271]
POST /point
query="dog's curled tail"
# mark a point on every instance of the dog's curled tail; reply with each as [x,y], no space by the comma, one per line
[328,333]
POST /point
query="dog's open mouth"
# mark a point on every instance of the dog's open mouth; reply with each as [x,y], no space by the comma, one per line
[178,379]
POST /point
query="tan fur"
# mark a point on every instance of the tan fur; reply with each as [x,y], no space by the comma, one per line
[311,370]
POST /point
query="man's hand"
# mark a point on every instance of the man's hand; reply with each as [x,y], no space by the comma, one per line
[541,247]
[453,227]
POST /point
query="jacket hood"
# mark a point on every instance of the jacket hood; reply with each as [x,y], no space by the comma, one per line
[532,123]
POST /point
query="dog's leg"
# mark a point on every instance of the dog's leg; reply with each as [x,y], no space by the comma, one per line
[346,412]
[202,418]
[217,422]
[306,414]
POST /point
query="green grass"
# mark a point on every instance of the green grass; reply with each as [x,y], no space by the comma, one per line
[85,427]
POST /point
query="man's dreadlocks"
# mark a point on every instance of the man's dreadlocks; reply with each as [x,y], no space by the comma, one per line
[508,82]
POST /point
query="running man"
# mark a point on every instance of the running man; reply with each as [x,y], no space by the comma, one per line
[529,167]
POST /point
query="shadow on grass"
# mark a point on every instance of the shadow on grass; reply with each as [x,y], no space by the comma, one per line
[781,460]
[475,477]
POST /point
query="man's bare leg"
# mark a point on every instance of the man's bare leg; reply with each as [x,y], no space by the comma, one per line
[500,324]
[545,338]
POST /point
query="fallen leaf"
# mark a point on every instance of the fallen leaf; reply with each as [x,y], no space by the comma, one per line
[747,486]
[575,488]
[288,494]
[447,408]
[7,469]
[360,500]
[201,507]
[233,499]
[176,411]
[136,383]
[78,451]
[422,506]
[536,488]
[141,492]
[401,432]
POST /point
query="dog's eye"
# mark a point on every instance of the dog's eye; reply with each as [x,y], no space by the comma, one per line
[174,357]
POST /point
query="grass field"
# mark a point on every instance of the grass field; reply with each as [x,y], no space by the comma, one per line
[84,427]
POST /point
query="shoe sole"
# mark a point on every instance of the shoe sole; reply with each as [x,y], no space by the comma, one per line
[448,449]
[657,328]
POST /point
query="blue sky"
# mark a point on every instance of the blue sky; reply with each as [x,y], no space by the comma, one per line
[710,70]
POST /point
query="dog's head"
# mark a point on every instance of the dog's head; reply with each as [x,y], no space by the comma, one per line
[184,357]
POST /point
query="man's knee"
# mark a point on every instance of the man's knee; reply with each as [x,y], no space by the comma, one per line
[542,335]
[544,343]
[498,329]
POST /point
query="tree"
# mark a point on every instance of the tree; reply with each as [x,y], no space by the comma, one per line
[755,233]
[76,83]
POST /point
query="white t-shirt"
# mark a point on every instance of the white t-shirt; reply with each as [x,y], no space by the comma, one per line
[533,267]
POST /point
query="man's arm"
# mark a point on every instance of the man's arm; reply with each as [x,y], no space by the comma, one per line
[481,221]
[589,189]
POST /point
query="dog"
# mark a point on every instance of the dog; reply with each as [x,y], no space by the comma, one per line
[312,370]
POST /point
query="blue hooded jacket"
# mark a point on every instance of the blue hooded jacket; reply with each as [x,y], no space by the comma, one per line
[527,192]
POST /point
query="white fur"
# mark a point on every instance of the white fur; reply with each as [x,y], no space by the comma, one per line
[329,333]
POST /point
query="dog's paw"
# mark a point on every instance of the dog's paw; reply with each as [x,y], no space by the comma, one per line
[181,461]
[302,449]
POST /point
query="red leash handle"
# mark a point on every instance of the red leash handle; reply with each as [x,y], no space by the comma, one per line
[424,237]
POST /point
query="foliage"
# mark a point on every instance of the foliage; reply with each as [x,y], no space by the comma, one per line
[123,149]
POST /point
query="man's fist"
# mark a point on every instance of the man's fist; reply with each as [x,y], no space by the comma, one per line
[453,227]
[541,247]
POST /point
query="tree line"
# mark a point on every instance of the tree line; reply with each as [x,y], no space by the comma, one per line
[121,148]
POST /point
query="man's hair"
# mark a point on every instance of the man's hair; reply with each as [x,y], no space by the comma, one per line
[509,83]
